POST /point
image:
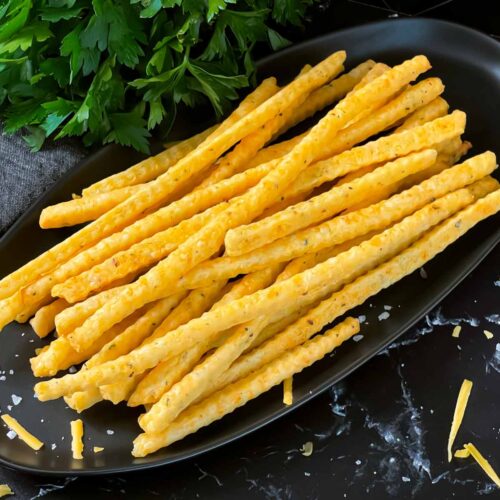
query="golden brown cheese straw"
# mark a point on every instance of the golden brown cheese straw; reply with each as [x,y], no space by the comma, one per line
[163,376]
[307,261]
[66,321]
[434,109]
[151,224]
[137,332]
[327,204]
[357,292]
[244,286]
[172,180]
[443,162]
[80,401]
[243,391]
[246,207]
[169,371]
[458,415]
[14,308]
[123,343]
[193,305]
[328,94]
[242,338]
[243,239]
[386,148]
[313,316]
[44,320]
[266,89]
[59,354]
[150,168]
[276,327]
[410,99]
[184,392]
[166,374]
[235,160]
[42,287]
[119,391]
[377,70]
[344,227]
[87,208]
[356,174]
[159,245]
[317,282]
[274,151]
[25,302]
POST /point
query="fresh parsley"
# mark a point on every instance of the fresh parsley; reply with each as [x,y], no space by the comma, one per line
[113,70]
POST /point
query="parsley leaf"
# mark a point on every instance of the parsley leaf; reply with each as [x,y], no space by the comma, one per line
[129,129]
[217,87]
[114,70]
[25,37]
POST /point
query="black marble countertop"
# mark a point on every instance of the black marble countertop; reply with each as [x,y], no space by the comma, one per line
[382,432]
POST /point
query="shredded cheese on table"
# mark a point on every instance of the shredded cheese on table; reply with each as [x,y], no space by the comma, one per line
[98,449]
[489,335]
[5,490]
[482,462]
[462,453]
[456,331]
[288,391]
[307,449]
[22,433]
[77,439]
[463,397]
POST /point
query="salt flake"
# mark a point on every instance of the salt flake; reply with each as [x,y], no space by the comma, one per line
[16,399]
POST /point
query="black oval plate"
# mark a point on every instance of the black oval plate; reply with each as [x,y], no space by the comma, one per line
[469,64]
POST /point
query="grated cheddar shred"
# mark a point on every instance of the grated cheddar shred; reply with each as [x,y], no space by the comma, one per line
[98,449]
[288,391]
[22,433]
[463,397]
[5,490]
[77,439]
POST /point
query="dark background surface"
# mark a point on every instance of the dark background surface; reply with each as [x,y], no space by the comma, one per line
[382,432]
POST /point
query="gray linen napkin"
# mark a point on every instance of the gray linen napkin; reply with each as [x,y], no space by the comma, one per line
[24,175]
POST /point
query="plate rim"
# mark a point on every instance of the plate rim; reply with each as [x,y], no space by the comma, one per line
[451,285]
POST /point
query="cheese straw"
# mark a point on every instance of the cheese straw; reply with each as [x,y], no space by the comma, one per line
[318,280]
